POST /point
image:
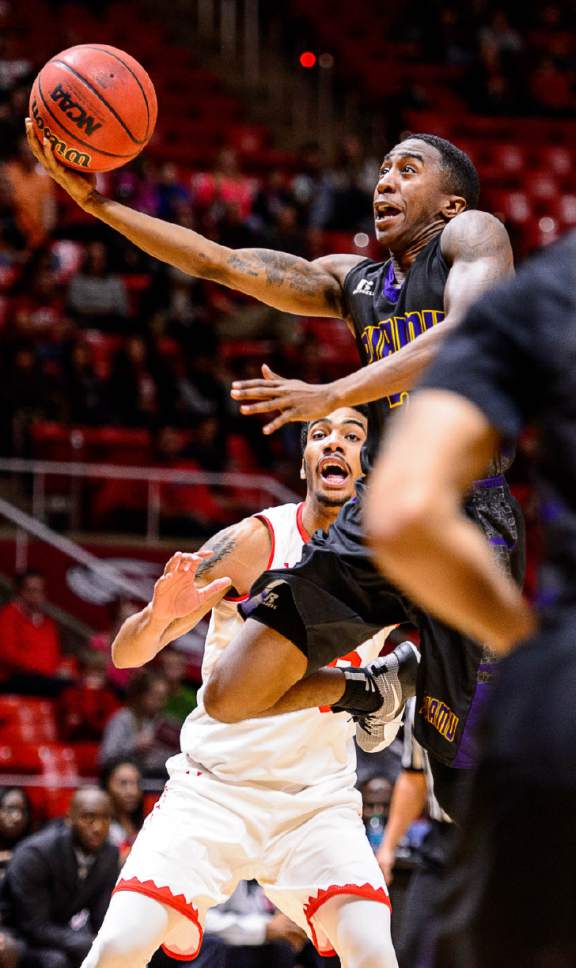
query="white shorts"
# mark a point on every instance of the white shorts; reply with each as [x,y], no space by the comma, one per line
[204,836]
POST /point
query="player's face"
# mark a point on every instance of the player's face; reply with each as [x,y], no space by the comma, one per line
[409,193]
[332,456]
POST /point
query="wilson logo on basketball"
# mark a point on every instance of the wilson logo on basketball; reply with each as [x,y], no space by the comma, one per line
[72,155]
[74,111]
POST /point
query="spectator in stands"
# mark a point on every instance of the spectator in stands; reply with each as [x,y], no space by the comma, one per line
[121,779]
[138,384]
[189,509]
[133,730]
[13,107]
[85,390]
[245,933]
[171,193]
[29,640]
[500,43]
[553,91]
[182,699]
[96,296]
[59,881]
[38,307]
[121,608]
[13,66]
[15,822]
[225,186]
[202,392]
[32,192]
[84,708]
[12,239]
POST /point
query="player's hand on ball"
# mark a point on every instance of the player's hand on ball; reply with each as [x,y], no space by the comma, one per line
[176,592]
[295,399]
[79,186]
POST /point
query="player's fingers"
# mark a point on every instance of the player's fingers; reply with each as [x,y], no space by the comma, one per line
[269,374]
[265,406]
[172,563]
[191,561]
[261,391]
[32,139]
[213,592]
[286,417]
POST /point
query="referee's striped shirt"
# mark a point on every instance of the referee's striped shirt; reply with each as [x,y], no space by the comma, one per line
[415,760]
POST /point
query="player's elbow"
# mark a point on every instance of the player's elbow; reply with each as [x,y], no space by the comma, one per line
[221,701]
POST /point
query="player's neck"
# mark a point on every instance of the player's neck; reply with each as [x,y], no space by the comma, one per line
[403,259]
[318,517]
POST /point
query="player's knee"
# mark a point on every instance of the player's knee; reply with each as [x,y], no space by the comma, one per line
[116,953]
[373,952]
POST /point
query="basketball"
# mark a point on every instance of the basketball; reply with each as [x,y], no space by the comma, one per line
[96,104]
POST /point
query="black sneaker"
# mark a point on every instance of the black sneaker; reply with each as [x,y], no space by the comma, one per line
[394,677]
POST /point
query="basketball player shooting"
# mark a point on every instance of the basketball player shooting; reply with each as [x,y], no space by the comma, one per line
[267,799]
[443,254]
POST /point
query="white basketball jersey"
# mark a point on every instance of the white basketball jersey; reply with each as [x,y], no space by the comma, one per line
[301,749]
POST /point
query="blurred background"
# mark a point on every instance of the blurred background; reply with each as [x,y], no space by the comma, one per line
[118,440]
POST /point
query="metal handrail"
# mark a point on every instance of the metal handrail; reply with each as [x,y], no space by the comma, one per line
[153,476]
[24,522]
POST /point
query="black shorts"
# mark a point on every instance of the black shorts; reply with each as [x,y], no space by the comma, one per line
[335,598]
[511,897]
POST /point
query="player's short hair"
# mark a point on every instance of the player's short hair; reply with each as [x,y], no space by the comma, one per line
[361,408]
[461,175]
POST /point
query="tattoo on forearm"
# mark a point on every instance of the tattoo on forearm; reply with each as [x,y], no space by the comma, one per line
[221,545]
[244,264]
[284,270]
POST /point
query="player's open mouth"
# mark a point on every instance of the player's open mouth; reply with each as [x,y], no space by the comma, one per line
[384,212]
[334,473]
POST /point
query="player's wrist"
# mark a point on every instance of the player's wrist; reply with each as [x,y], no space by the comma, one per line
[92,203]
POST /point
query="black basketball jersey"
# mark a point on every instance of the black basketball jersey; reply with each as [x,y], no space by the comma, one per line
[386,317]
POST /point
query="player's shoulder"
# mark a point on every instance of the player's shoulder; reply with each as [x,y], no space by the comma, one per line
[474,234]
[340,265]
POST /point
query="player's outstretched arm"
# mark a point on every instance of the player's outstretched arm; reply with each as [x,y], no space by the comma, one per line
[279,279]
[189,587]
[477,247]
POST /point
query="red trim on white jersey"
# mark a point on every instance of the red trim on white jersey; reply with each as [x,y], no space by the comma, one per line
[270,526]
[176,901]
[300,524]
[367,891]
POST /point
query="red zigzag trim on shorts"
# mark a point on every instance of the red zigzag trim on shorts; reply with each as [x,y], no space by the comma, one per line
[176,901]
[366,891]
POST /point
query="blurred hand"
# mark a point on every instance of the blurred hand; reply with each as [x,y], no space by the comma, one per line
[79,186]
[176,593]
[296,400]
[281,928]
[386,858]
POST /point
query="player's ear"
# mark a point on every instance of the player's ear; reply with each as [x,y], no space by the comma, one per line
[302,471]
[453,205]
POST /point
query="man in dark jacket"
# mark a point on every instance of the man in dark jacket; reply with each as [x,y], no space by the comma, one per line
[59,881]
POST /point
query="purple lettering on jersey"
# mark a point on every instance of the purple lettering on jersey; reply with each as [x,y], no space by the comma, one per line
[390,335]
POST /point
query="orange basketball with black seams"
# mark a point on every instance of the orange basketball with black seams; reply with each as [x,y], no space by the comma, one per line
[96,104]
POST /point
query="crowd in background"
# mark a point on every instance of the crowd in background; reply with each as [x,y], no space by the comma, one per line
[94,334]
